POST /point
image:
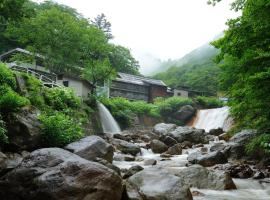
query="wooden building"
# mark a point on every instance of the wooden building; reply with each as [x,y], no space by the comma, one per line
[184,91]
[137,88]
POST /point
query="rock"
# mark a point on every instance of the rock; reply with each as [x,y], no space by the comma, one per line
[127,147]
[186,145]
[156,184]
[212,159]
[163,129]
[204,149]
[175,150]
[9,161]
[169,141]
[185,113]
[184,133]
[121,137]
[240,171]
[216,132]
[131,171]
[198,145]
[202,178]
[217,147]
[165,155]
[259,175]
[109,165]
[210,138]
[224,136]
[24,131]
[54,173]
[92,147]
[150,162]
[123,157]
[158,146]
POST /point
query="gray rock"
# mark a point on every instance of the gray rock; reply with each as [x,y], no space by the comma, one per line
[216,132]
[175,150]
[163,129]
[202,178]
[123,157]
[109,165]
[156,184]
[169,141]
[158,146]
[131,171]
[185,113]
[217,147]
[184,133]
[207,160]
[126,147]
[150,162]
[92,147]
[224,136]
[54,173]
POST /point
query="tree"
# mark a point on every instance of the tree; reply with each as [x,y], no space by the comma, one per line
[236,5]
[101,23]
[122,60]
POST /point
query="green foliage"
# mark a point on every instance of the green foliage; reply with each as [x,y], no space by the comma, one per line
[61,98]
[244,50]
[58,130]
[260,142]
[3,131]
[209,102]
[6,76]
[167,106]
[10,101]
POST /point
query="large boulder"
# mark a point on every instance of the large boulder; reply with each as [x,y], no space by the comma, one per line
[158,146]
[239,141]
[184,114]
[57,174]
[216,132]
[184,133]
[156,184]
[169,141]
[24,131]
[92,147]
[163,129]
[126,147]
[202,178]
[207,160]
[175,150]
[132,170]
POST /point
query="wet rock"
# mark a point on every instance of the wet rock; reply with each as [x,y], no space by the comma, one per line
[240,171]
[158,146]
[109,165]
[216,132]
[92,147]
[259,175]
[185,113]
[163,129]
[131,171]
[224,136]
[186,145]
[24,131]
[197,194]
[217,147]
[156,184]
[175,150]
[54,173]
[165,155]
[210,138]
[127,147]
[202,178]
[150,162]
[204,149]
[122,137]
[169,141]
[123,157]
[198,145]
[9,161]
[212,159]
[184,133]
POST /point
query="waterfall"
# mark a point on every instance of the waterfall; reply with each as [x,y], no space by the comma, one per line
[213,118]
[109,125]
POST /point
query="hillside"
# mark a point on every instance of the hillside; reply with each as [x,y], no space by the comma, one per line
[196,70]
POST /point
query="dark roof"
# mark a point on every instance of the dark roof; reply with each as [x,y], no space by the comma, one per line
[139,80]
[19,50]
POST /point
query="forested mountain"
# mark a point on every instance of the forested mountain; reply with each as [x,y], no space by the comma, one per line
[196,70]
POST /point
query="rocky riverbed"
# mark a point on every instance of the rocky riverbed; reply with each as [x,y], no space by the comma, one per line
[166,162]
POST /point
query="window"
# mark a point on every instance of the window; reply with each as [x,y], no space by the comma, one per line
[65,83]
[179,94]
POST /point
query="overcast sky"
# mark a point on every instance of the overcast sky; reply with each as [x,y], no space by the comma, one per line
[158,29]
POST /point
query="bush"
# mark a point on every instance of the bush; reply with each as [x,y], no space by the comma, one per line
[209,102]
[3,131]
[261,142]
[6,76]
[58,130]
[167,106]
[61,98]
[10,101]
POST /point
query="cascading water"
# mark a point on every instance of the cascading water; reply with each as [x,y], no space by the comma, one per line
[213,118]
[109,125]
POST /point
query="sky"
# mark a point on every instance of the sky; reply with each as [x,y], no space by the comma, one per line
[157,30]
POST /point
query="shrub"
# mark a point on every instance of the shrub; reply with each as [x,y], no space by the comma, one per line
[166,106]
[260,142]
[6,76]
[59,129]
[3,131]
[61,98]
[209,102]
[10,101]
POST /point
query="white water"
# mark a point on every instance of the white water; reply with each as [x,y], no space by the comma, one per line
[109,125]
[212,119]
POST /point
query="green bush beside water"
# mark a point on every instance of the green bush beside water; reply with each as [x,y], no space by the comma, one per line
[208,102]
